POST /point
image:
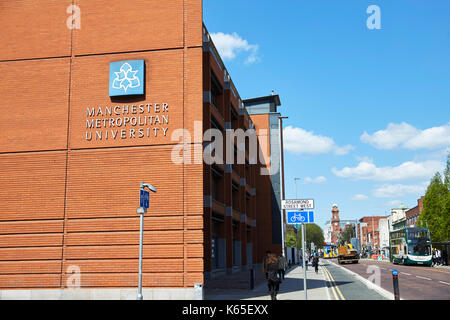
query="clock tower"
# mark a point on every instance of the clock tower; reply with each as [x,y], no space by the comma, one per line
[335,224]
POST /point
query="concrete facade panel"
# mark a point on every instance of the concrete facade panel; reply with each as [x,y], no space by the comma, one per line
[34,104]
[125,265]
[134,25]
[30,267]
[25,227]
[36,253]
[36,196]
[105,183]
[123,280]
[123,252]
[49,37]
[30,281]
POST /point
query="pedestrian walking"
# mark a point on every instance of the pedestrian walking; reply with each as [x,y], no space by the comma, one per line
[273,280]
[264,265]
[433,257]
[316,263]
[281,266]
[444,257]
[438,256]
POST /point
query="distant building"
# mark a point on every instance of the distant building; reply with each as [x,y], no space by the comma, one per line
[384,228]
[399,217]
[412,215]
[335,224]
[327,232]
[334,227]
[369,232]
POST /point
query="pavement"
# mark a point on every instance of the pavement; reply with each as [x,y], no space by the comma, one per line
[290,289]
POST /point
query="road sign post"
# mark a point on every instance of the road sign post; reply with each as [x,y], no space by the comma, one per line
[302,217]
[144,203]
[304,261]
[297,204]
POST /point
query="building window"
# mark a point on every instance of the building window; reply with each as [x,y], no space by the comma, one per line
[216,92]
[216,184]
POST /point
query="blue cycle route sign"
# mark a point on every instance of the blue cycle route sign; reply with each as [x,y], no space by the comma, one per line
[144,199]
[296,217]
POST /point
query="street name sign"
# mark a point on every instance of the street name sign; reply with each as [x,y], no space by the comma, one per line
[297,204]
[295,217]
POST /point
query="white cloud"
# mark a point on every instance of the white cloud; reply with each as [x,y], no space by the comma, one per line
[399,190]
[230,45]
[320,179]
[360,197]
[408,170]
[406,136]
[394,203]
[297,140]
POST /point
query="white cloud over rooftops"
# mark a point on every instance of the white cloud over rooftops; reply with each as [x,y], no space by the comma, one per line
[230,45]
[408,170]
[298,140]
[406,136]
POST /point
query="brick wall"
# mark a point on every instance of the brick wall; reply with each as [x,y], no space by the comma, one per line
[66,201]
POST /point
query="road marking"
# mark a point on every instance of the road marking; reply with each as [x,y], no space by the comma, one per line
[333,283]
[423,278]
[333,286]
[445,283]
[408,274]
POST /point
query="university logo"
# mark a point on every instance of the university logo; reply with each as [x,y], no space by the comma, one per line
[126,78]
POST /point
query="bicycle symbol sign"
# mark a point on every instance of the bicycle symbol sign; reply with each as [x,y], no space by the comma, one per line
[296,217]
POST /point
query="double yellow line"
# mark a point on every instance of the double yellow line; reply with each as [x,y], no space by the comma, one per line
[334,288]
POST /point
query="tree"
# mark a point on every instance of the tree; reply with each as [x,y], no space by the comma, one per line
[347,235]
[436,206]
[291,239]
[314,234]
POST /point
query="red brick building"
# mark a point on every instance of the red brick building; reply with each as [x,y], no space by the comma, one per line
[412,215]
[68,203]
[335,224]
[369,232]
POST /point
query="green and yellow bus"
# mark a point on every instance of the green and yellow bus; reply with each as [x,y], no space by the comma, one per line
[329,251]
[410,246]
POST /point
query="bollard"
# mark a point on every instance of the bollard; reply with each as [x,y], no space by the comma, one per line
[395,282]
[252,279]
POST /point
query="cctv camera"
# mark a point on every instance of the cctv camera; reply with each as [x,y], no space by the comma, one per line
[149,186]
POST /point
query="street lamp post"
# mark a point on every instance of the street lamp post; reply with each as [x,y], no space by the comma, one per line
[283,231]
[303,245]
[141,210]
[298,229]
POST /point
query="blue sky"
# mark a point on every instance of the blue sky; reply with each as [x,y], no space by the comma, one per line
[369,109]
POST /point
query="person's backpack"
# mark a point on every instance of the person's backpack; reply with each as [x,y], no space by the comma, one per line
[272,270]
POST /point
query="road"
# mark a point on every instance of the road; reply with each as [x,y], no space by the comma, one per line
[344,286]
[415,282]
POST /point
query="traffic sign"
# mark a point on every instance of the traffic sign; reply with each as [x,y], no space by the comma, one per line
[295,204]
[295,217]
[144,199]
